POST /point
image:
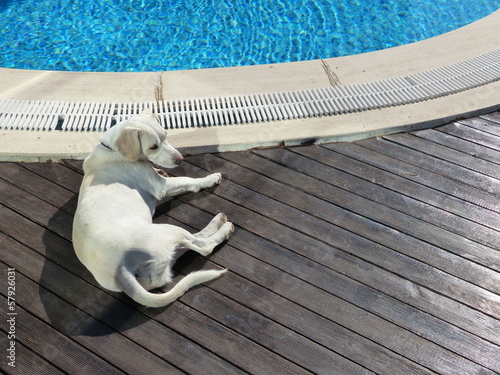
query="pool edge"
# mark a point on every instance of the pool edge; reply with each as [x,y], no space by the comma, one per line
[469,41]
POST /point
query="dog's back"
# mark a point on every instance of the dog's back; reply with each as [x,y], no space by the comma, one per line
[113,199]
[113,233]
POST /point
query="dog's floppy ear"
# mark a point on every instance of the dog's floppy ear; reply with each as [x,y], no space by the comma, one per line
[128,143]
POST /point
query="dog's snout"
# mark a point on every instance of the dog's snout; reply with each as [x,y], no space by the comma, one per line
[179,159]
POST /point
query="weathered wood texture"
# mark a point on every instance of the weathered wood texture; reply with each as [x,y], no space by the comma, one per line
[378,256]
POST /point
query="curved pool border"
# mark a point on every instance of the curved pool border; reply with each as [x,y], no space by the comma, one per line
[31,88]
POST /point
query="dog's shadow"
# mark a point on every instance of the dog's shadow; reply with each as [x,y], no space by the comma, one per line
[74,302]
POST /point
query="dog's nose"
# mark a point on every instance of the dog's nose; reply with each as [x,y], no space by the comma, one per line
[179,159]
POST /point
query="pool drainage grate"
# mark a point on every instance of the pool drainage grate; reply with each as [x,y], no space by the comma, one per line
[219,111]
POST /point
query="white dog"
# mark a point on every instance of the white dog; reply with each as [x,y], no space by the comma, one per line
[113,232]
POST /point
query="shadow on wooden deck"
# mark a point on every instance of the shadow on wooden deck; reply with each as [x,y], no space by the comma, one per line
[378,256]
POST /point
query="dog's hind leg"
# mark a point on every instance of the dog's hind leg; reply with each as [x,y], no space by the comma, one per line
[205,245]
[212,227]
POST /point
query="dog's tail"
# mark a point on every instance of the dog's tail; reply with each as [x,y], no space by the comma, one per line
[136,291]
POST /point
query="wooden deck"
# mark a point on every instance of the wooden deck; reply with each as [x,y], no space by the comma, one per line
[378,256]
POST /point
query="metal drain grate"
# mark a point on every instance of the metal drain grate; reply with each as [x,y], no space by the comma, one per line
[87,116]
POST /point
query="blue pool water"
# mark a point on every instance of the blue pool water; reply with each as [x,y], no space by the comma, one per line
[146,35]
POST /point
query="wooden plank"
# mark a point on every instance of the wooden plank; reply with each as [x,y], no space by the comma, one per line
[56,256]
[317,350]
[75,165]
[295,266]
[489,123]
[66,235]
[284,341]
[263,316]
[472,135]
[492,116]
[114,348]
[287,311]
[312,205]
[247,355]
[286,234]
[440,183]
[441,159]
[27,362]
[450,337]
[460,144]
[154,336]
[55,347]
[59,174]
[34,184]
[55,219]
[395,198]
[101,314]
[419,229]
[38,238]
[318,189]
[304,201]
[400,194]
[338,364]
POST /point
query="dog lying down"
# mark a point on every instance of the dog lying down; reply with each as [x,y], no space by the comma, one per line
[113,232]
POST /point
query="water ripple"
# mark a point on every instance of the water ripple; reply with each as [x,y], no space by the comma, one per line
[142,35]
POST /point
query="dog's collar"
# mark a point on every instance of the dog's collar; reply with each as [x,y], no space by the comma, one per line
[106,146]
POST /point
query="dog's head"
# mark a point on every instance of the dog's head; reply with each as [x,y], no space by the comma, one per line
[142,138]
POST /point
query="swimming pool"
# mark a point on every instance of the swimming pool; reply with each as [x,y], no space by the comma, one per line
[141,35]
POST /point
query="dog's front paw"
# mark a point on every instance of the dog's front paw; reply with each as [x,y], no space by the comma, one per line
[230,229]
[221,217]
[213,179]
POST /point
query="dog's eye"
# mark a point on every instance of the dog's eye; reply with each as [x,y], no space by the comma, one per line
[154,147]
